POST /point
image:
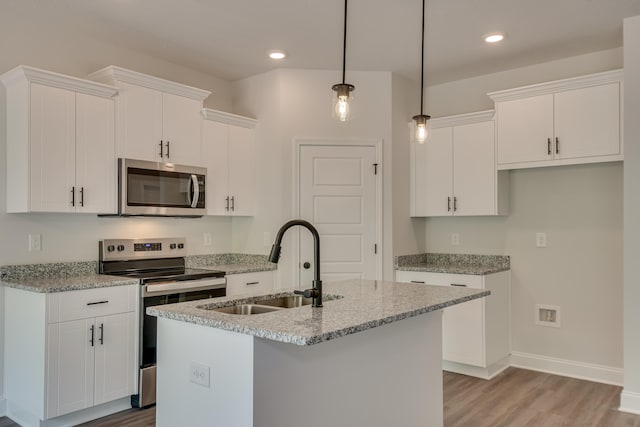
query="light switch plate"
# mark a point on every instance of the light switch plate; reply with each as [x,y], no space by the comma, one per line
[541,240]
[35,242]
[455,239]
[200,374]
[206,237]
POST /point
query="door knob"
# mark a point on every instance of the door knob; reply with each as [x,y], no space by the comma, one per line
[306,265]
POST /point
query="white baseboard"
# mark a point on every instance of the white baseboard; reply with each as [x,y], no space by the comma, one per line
[630,402]
[25,418]
[476,371]
[569,368]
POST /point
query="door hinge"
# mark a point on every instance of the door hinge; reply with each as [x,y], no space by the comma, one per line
[375,169]
[375,248]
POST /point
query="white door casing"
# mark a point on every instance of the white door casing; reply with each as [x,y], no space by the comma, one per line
[339,192]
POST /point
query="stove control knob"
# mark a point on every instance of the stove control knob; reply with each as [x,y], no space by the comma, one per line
[120,248]
[172,246]
[111,248]
[180,245]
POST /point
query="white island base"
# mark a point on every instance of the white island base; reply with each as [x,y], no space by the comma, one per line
[385,376]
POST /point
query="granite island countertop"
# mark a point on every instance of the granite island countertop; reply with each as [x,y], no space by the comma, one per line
[350,306]
[453,263]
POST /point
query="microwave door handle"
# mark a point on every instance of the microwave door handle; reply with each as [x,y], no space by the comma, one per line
[196,191]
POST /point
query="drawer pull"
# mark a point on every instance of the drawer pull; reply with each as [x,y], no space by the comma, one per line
[98,302]
[101,334]
[459,284]
[417,281]
[93,330]
[252,283]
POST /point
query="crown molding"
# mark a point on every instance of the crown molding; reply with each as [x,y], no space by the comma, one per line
[462,119]
[228,118]
[49,78]
[615,76]
[113,75]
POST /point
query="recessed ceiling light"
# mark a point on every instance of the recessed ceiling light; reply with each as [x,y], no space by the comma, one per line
[277,54]
[494,37]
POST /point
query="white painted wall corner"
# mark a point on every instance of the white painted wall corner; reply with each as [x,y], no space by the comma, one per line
[3,406]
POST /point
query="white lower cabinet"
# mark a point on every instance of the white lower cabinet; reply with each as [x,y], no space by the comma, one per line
[250,282]
[80,349]
[475,334]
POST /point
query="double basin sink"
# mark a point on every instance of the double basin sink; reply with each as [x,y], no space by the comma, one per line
[267,305]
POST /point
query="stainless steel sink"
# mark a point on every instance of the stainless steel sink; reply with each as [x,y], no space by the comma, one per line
[286,302]
[245,309]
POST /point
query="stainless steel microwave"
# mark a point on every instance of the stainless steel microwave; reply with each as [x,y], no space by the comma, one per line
[160,189]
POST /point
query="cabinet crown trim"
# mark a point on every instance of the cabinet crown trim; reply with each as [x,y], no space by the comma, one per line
[614,76]
[49,78]
[462,119]
[114,74]
[228,118]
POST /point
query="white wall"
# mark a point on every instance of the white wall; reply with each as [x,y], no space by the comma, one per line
[630,399]
[292,103]
[580,209]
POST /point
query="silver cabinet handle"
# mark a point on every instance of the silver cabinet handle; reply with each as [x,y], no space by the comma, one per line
[226,207]
[233,203]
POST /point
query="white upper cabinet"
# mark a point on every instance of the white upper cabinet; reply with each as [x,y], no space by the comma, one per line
[158,120]
[454,171]
[559,123]
[60,143]
[228,153]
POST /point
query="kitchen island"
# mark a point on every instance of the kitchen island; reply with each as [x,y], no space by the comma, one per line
[371,356]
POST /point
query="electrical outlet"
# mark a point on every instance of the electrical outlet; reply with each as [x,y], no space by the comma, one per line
[206,237]
[35,242]
[541,240]
[200,374]
[455,239]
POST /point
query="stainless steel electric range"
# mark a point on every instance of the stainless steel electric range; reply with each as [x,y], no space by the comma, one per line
[159,264]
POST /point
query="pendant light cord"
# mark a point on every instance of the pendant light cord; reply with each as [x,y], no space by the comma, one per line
[422,62]
[344,42]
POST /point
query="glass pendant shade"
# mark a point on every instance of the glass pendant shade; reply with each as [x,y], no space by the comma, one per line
[422,127]
[343,101]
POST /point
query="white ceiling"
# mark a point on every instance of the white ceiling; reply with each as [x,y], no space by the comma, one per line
[228,38]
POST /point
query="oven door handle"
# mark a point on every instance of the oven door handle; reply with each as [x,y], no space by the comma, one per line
[175,287]
[196,191]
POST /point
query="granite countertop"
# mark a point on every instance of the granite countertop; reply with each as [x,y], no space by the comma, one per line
[364,304]
[453,263]
[64,284]
[231,263]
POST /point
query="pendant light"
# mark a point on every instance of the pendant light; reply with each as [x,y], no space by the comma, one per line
[341,107]
[422,120]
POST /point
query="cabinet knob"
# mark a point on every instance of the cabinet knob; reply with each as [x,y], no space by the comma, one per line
[306,265]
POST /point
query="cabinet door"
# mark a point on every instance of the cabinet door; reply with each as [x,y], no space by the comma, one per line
[53,148]
[438,172]
[587,122]
[263,281]
[70,370]
[241,142]
[114,357]
[95,155]
[474,169]
[215,152]
[524,128]
[181,130]
[139,111]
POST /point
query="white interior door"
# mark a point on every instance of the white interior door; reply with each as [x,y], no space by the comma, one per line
[337,194]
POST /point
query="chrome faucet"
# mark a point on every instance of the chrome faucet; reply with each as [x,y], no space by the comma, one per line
[316,291]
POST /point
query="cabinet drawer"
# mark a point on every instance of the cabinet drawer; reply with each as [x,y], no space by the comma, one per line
[87,303]
[441,279]
[250,282]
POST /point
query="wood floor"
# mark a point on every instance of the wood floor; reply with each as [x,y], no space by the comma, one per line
[515,398]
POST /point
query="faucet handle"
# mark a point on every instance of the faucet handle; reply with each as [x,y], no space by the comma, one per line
[307,293]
